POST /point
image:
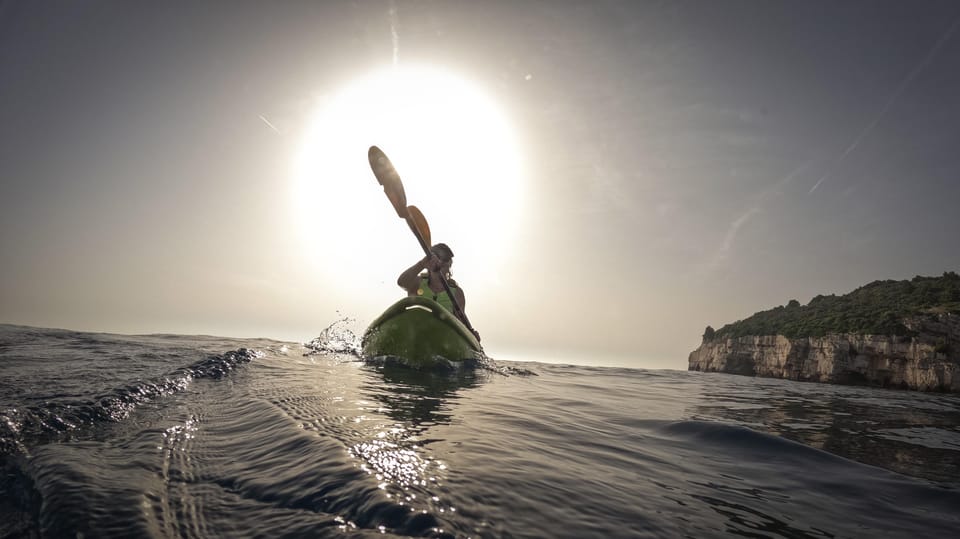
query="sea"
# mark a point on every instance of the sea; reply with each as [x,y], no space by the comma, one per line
[107,435]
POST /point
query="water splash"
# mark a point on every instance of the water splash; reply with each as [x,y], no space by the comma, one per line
[489,364]
[337,338]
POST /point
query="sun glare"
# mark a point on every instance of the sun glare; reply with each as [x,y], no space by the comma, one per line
[458,158]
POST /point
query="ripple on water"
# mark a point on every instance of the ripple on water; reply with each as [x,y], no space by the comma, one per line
[931,437]
[323,446]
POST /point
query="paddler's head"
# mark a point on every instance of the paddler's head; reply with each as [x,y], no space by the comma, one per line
[444,254]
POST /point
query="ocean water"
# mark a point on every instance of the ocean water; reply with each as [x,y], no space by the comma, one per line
[176,436]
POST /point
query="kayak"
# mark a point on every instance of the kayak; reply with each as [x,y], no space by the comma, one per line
[422,335]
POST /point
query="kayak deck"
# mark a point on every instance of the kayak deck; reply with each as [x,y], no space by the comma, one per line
[422,333]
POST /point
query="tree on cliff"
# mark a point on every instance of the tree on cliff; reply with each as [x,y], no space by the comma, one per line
[708,334]
[878,308]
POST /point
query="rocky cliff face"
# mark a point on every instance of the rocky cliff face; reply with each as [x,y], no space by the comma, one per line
[928,361]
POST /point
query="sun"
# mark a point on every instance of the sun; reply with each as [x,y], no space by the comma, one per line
[459,159]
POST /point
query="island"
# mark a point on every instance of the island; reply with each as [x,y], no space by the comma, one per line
[894,334]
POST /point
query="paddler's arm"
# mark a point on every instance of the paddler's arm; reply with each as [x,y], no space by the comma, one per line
[409,280]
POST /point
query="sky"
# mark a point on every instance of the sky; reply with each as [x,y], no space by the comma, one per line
[640,169]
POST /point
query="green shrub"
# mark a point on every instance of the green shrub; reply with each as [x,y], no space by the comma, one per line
[878,308]
[708,334]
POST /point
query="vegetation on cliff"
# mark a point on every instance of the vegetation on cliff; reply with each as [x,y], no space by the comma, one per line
[878,308]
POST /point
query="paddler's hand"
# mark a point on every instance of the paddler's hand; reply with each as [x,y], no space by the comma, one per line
[432,262]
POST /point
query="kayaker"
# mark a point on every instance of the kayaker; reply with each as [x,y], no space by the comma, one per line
[428,282]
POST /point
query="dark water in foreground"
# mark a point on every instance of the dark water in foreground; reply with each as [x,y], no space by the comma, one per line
[167,436]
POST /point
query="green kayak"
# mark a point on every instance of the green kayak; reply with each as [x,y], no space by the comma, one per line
[422,334]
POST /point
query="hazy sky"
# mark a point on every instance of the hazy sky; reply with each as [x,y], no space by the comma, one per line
[684,163]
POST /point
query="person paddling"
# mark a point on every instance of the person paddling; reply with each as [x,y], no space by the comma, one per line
[429,283]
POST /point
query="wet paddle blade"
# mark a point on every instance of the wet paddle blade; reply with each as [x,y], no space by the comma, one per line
[387,177]
[418,223]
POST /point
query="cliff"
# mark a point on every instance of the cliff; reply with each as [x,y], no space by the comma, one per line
[926,357]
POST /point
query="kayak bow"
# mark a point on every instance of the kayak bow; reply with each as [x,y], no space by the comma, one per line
[422,333]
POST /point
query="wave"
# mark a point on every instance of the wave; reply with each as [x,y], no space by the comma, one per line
[757,457]
[24,425]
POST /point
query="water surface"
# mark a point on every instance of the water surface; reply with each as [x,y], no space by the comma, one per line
[170,436]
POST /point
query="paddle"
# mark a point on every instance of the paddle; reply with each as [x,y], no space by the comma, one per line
[418,224]
[388,177]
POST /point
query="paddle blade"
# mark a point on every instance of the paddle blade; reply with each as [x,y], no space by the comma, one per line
[387,177]
[418,223]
